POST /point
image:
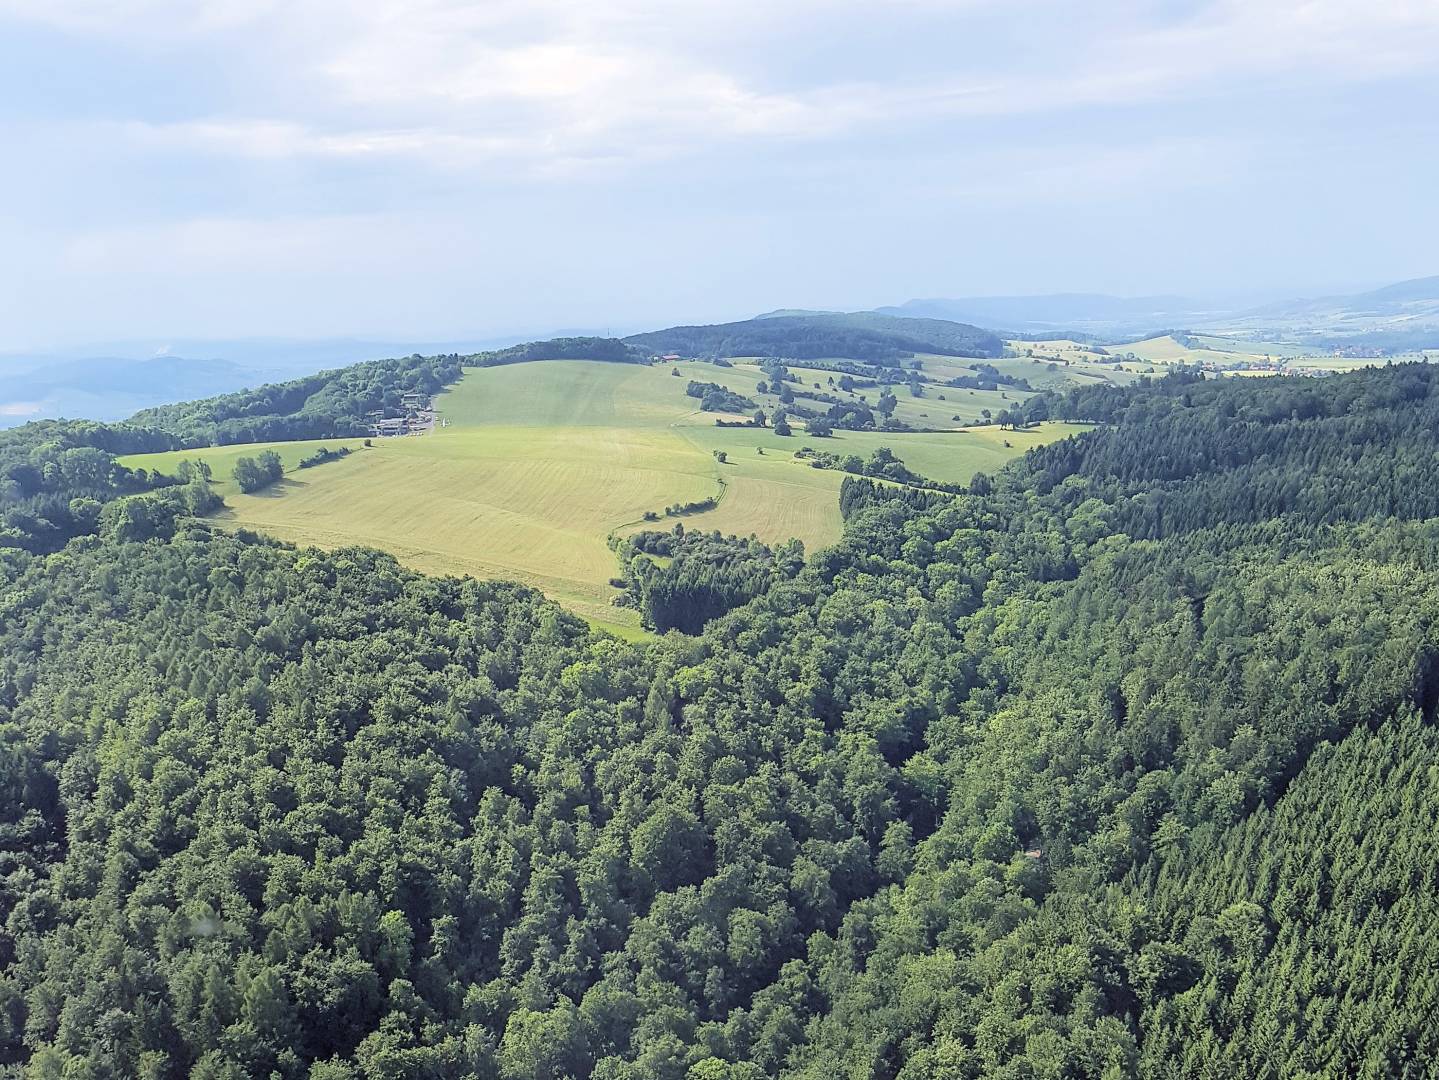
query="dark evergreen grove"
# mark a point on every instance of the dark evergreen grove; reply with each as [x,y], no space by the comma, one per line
[1122,763]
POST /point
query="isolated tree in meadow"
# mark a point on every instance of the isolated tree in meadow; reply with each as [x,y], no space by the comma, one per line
[247,474]
[721,456]
[759,418]
[761,387]
[781,425]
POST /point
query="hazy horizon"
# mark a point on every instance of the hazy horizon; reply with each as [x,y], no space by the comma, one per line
[435,171]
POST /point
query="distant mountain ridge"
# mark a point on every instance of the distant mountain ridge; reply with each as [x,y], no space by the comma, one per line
[113,380]
[1057,311]
[1407,308]
[1401,298]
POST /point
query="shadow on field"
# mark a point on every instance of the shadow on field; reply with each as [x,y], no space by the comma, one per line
[278,489]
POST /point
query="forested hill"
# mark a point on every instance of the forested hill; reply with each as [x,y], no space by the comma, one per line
[317,406]
[859,335]
[339,402]
[1031,781]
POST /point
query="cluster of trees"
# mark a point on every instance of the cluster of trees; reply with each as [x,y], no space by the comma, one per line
[322,455]
[851,416]
[716,398]
[880,339]
[988,377]
[703,575]
[679,509]
[881,464]
[859,416]
[1030,780]
[254,473]
[610,350]
[156,513]
[857,494]
[56,474]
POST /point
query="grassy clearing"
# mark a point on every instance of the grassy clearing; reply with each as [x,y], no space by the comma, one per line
[1060,364]
[540,462]
[935,411]
[1166,350]
[221,459]
[1278,350]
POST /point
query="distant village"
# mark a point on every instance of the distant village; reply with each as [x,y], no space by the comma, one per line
[418,416]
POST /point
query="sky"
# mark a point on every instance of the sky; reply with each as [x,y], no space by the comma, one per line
[433,169]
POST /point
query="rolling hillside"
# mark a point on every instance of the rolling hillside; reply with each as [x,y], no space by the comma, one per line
[540,462]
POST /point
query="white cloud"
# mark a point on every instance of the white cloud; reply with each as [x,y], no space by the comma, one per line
[549,82]
[223,160]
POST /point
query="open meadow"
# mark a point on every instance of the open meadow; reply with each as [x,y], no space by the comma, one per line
[221,459]
[538,464]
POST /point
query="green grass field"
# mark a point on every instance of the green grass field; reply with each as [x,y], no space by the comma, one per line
[221,459]
[539,463]
[1221,352]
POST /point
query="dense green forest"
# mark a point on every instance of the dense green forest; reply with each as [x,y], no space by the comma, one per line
[1121,763]
[570,348]
[330,404]
[55,475]
[880,339]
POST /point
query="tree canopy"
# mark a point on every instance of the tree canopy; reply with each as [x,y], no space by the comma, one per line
[881,339]
[1120,763]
